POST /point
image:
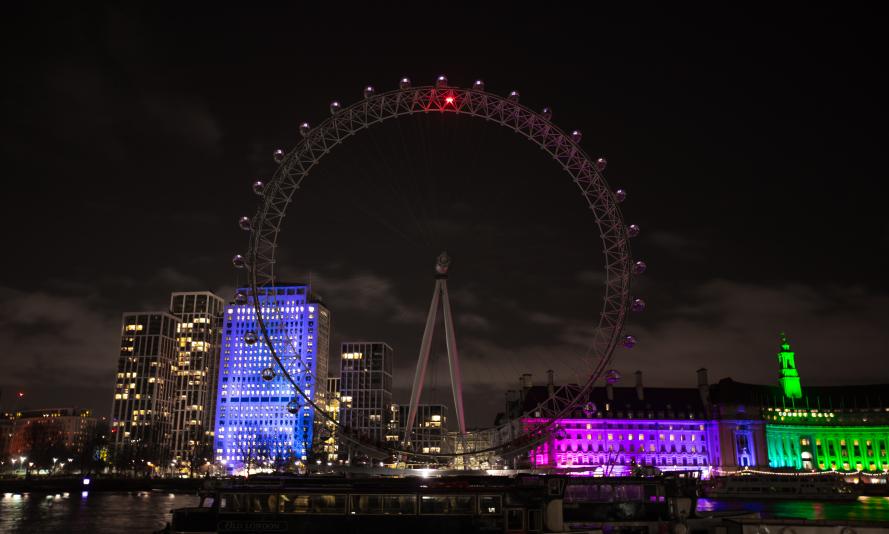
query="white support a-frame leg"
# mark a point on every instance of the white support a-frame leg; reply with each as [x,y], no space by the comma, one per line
[440,294]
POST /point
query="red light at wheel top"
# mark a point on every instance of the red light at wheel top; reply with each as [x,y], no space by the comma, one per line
[449,99]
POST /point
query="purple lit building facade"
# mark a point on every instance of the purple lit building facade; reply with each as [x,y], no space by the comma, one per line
[616,445]
[624,428]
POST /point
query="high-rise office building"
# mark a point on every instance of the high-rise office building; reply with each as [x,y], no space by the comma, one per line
[141,414]
[263,422]
[332,405]
[430,428]
[366,388]
[195,375]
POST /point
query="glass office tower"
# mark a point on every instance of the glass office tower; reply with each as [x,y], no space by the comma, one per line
[254,426]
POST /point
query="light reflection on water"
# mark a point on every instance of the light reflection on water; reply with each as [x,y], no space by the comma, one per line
[101,513]
[137,512]
[865,508]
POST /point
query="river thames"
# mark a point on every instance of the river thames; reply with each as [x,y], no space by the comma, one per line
[138,512]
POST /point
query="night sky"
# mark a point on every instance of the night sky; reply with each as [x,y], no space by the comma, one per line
[752,144]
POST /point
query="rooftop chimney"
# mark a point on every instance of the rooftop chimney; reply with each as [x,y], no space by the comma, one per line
[550,385]
[704,389]
[526,381]
[702,377]
[640,392]
[609,391]
[524,386]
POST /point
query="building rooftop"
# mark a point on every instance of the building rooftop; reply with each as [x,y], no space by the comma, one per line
[869,396]
[680,402]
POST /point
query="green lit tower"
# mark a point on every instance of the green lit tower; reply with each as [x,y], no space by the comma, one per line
[789,376]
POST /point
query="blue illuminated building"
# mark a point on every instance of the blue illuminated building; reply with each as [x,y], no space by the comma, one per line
[254,427]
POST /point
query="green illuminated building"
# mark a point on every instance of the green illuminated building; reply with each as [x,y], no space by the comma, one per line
[789,377]
[828,447]
[843,428]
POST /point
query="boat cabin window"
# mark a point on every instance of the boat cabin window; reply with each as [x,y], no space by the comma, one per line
[384,504]
[603,493]
[447,504]
[535,521]
[230,502]
[290,503]
[260,503]
[263,504]
[588,493]
[293,504]
[400,504]
[628,493]
[515,519]
[490,504]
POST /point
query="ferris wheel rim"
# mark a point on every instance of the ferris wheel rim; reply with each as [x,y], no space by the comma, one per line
[538,128]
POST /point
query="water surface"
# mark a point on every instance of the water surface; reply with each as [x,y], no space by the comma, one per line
[100,513]
[147,511]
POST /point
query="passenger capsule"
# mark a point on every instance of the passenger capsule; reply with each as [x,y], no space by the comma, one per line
[368,91]
[404,83]
[239,262]
[268,374]
[293,406]
[637,305]
[335,107]
[612,376]
[278,155]
[620,195]
[478,85]
[601,163]
[240,298]
[304,129]
[633,230]
[576,136]
[629,342]
[547,113]
[258,187]
[514,96]
[441,82]
[639,267]
[589,409]
[244,223]
[561,434]
[250,337]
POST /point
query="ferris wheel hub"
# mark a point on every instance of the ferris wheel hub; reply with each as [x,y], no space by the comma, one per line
[443,262]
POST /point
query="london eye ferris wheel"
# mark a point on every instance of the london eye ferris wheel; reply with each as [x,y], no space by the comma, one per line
[514,435]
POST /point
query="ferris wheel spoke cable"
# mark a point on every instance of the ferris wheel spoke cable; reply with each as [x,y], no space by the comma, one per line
[359,201]
[414,172]
[397,191]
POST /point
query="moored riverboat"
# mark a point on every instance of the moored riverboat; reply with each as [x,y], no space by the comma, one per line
[826,487]
[523,504]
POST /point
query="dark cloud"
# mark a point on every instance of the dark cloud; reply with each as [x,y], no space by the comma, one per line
[49,341]
[367,293]
[732,328]
[131,138]
[472,321]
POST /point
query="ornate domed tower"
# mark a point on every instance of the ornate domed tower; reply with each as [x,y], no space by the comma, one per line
[788,377]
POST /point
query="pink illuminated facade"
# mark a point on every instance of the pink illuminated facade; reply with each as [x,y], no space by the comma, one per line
[624,428]
[618,445]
